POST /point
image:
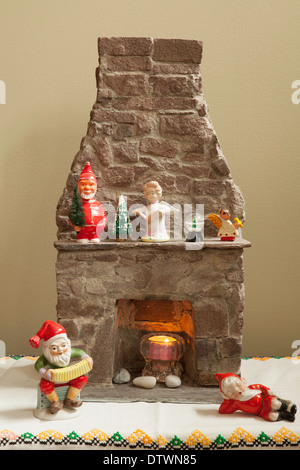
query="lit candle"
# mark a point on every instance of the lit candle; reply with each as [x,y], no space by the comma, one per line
[163,348]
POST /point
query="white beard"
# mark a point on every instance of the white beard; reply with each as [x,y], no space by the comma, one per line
[87,196]
[248,394]
[61,360]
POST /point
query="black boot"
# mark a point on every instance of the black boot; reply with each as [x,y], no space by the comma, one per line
[288,406]
[286,415]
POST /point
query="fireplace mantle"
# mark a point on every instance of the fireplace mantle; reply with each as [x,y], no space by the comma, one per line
[92,278]
[215,243]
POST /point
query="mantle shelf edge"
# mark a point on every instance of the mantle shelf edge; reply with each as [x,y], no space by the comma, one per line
[212,243]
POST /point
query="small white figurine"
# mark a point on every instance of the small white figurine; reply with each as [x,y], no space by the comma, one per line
[154,213]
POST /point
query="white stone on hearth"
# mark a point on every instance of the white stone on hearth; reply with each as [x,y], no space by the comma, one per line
[172,381]
[121,377]
[145,381]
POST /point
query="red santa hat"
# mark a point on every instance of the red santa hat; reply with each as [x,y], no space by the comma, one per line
[49,331]
[221,377]
[87,173]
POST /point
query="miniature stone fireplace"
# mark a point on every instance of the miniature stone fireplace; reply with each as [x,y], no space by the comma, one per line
[150,122]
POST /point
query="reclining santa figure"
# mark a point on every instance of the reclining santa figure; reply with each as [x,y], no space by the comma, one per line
[57,354]
[254,399]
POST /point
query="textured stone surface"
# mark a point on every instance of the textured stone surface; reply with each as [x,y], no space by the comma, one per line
[206,282]
[177,50]
[150,121]
[150,102]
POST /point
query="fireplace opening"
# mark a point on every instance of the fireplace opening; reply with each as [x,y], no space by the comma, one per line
[135,319]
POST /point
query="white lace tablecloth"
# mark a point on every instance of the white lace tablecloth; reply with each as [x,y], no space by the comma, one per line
[141,425]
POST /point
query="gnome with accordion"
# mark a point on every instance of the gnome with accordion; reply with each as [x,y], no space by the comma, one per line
[54,366]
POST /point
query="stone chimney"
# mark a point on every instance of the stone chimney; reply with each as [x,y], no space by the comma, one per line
[150,121]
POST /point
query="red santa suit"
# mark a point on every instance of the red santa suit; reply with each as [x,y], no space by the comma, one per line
[95,216]
[95,219]
[254,400]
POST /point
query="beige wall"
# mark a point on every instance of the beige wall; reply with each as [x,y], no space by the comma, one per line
[48,54]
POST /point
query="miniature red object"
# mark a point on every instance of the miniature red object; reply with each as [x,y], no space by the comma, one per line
[254,399]
[92,212]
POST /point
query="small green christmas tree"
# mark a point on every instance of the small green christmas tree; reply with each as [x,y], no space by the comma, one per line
[122,226]
[194,224]
[195,233]
[76,214]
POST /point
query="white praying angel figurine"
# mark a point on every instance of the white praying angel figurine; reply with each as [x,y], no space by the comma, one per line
[154,214]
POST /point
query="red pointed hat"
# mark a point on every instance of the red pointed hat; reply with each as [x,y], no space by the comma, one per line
[49,331]
[220,378]
[87,173]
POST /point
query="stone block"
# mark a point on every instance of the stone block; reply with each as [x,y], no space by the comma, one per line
[103,150]
[102,115]
[177,50]
[232,364]
[153,163]
[236,275]
[206,377]
[171,86]
[206,353]
[145,123]
[209,187]
[186,127]
[230,347]
[158,147]
[71,328]
[123,131]
[237,298]
[221,167]
[211,318]
[103,350]
[183,184]
[176,69]
[129,64]
[127,84]
[158,104]
[197,171]
[126,152]
[94,286]
[121,46]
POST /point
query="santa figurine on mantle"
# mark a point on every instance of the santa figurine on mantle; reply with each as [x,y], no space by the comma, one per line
[92,212]
[254,399]
[53,366]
